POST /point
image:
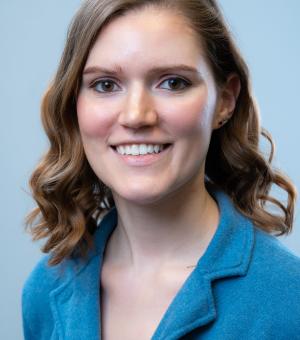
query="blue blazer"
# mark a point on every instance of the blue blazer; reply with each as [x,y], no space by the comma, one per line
[245,286]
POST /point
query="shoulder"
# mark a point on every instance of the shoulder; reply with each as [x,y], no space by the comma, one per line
[276,259]
[42,268]
[36,307]
[45,278]
[265,298]
[42,279]
[277,269]
[274,282]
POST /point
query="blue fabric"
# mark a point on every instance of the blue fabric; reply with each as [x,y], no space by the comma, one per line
[245,286]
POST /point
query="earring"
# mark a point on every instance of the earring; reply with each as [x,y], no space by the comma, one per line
[222,122]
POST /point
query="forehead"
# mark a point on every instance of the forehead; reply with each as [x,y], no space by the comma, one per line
[146,37]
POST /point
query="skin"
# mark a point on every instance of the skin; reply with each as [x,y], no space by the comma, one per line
[166,216]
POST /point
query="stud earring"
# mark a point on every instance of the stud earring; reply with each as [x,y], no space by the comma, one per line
[222,122]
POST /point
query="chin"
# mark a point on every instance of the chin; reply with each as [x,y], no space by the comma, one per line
[139,196]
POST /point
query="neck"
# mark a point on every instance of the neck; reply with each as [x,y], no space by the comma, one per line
[174,232]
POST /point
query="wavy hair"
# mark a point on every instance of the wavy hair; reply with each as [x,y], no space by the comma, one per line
[70,198]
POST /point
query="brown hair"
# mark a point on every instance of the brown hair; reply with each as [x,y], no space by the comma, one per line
[71,198]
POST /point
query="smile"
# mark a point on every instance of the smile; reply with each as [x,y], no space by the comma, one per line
[140,154]
[140,149]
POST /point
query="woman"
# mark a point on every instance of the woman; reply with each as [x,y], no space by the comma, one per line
[153,196]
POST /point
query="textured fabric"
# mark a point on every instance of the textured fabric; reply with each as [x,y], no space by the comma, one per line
[245,286]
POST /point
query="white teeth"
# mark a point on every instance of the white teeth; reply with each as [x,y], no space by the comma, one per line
[141,149]
[127,150]
[156,148]
[150,148]
[135,150]
[122,150]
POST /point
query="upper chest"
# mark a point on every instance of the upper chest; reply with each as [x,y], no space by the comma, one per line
[133,306]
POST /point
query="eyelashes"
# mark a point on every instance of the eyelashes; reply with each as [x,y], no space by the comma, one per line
[104,86]
[176,81]
[174,84]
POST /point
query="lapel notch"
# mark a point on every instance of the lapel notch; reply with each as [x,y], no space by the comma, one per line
[227,255]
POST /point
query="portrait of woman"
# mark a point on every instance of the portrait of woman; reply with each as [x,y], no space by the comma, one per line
[154,198]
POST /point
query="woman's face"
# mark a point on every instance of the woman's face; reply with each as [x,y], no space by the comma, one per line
[147,106]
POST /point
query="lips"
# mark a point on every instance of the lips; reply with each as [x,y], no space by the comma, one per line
[137,149]
[140,149]
[131,154]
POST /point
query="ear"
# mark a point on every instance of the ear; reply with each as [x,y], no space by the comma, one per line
[228,96]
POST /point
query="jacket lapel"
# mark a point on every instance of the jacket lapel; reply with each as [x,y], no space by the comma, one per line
[227,255]
[76,303]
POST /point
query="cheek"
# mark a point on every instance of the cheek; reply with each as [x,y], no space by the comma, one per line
[94,119]
[188,116]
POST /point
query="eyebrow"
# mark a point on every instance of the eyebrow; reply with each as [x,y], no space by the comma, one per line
[158,69]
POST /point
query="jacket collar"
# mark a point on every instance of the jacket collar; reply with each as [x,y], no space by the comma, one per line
[75,304]
[228,254]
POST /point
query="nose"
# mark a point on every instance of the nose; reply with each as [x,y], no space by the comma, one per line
[138,110]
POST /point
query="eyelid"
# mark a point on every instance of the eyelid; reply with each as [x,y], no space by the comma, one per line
[94,83]
[168,77]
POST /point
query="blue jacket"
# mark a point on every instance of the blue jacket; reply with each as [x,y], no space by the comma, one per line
[245,286]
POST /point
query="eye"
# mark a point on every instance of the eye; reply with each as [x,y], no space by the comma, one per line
[176,84]
[104,86]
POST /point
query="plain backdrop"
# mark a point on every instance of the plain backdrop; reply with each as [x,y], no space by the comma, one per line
[32,35]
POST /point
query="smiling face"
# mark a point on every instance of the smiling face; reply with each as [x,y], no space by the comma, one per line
[147,106]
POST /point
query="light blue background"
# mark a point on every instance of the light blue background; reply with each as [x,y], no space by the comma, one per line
[32,35]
